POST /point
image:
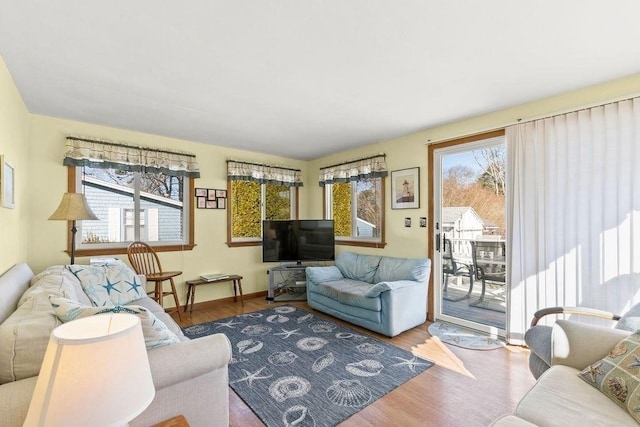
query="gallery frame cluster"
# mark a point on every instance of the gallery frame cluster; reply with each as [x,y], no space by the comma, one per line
[211,198]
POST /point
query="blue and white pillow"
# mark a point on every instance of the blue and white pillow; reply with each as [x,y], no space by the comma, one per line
[156,333]
[110,284]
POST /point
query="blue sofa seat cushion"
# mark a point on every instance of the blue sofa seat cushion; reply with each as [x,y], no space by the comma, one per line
[349,292]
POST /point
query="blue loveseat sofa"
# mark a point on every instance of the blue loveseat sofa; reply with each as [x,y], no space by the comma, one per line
[384,294]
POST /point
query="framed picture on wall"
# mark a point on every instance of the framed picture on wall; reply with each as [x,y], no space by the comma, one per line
[405,189]
[7,189]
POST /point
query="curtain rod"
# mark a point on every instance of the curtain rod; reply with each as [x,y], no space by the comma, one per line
[520,121]
[119,144]
[532,119]
[262,164]
[353,161]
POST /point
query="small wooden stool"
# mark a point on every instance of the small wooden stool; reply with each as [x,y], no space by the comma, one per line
[191,289]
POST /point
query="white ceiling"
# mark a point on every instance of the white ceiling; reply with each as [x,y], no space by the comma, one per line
[304,78]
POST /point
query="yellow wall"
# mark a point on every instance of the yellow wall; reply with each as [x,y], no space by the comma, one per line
[14,134]
[49,182]
[28,235]
[411,151]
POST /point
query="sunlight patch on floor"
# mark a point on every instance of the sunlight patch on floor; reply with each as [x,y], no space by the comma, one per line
[436,351]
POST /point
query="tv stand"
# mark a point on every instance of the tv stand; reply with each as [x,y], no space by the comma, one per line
[287,283]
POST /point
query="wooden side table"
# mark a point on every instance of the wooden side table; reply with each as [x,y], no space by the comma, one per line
[179,421]
[191,289]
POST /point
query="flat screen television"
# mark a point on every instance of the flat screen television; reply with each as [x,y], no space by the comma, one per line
[299,240]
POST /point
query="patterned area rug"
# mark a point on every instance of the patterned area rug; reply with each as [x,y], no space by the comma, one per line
[465,338]
[295,369]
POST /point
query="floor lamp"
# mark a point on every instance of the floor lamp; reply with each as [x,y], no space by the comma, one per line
[73,207]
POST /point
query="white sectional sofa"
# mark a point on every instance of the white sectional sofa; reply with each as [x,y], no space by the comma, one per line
[190,376]
[561,397]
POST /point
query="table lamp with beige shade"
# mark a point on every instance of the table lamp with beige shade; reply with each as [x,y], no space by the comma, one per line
[95,373]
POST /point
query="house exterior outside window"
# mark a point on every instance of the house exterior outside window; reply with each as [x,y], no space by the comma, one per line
[357,208]
[132,206]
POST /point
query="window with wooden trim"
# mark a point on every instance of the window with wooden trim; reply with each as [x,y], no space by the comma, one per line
[354,200]
[133,206]
[258,192]
[251,202]
[357,209]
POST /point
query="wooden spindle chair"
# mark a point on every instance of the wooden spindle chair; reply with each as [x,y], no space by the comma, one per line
[144,260]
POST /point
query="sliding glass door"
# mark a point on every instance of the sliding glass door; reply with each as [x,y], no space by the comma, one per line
[469,223]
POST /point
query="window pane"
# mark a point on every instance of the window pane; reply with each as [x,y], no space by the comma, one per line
[111,195]
[278,202]
[341,196]
[246,209]
[369,209]
[357,209]
[161,196]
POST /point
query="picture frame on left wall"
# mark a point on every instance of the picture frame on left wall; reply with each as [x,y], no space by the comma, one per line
[7,184]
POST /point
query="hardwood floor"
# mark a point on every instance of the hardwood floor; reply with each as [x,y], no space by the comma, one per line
[465,388]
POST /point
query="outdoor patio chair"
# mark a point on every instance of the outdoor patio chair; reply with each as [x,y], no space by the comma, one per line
[538,337]
[452,267]
[489,264]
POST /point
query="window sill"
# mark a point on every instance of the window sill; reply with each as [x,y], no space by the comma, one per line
[361,243]
[242,244]
[123,250]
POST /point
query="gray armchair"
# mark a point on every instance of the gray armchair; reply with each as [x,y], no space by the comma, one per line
[538,337]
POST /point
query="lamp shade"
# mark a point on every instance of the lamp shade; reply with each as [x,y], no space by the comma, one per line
[95,372]
[72,207]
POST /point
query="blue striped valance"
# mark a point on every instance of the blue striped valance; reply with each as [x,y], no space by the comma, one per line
[370,167]
[263,174]
[106,154]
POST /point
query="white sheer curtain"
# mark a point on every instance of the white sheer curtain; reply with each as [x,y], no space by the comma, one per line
[574,212]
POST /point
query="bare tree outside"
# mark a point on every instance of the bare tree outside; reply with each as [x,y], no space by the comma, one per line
[493,161]
[479,184]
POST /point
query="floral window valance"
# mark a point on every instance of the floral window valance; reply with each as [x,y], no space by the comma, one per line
[264,174]
[105,154]
[370,167]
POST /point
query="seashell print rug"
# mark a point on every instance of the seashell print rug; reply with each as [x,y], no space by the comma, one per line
[462,337]
[294,368]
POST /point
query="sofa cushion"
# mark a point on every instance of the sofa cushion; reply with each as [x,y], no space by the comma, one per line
[349,292]
[617,375]
[375,290]
[358,267]
[56,279]
[25,334]
[156,333]
[109,285]
[561,398]
[13,284]
[391,269]
[24,337]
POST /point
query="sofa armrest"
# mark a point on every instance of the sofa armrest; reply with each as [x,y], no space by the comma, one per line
[381,287]
[578,344]
[15,398]
[174,363]
[323,274]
